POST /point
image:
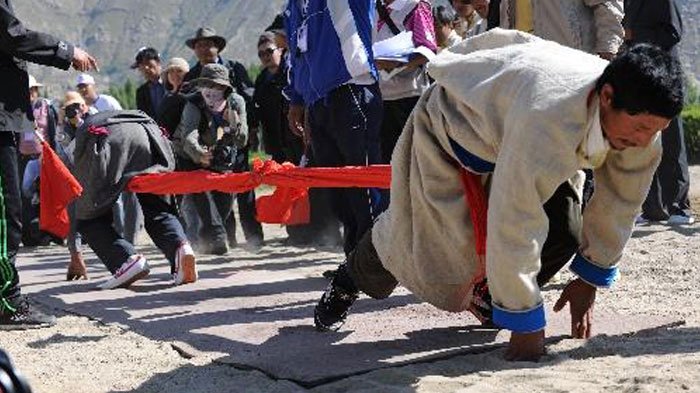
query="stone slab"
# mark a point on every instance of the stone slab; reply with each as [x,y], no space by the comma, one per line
[255,311]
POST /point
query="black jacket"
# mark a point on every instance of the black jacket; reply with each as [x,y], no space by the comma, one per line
[17,45]
[655,22]
[269,110]
[143,100]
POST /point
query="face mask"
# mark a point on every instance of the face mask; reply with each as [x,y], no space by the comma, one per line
[214,98]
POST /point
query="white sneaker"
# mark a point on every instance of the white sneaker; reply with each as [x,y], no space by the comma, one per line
[678,219]
[135,268]
[185,265]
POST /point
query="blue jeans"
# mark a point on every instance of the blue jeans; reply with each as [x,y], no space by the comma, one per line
[161,223]
[345,131]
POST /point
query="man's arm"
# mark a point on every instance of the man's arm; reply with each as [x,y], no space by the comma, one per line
[39,48]
[621,185]
[237,119]
[607,17]
[187,135]
[30,45]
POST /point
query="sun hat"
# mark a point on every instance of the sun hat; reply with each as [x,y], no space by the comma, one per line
[207,33]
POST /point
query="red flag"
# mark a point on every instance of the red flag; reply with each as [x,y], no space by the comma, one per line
[57,188]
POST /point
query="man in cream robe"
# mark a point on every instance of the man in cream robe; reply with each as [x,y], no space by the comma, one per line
[525,114]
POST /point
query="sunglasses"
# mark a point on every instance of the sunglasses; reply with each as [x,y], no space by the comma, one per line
[266,52]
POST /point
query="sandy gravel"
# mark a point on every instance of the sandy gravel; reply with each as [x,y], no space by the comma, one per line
[660,276]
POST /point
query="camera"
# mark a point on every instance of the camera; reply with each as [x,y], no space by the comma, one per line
[72,110]
[11,380]
[224,153]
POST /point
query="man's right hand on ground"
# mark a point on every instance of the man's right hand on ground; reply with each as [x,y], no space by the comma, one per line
[525,347]
[82,61]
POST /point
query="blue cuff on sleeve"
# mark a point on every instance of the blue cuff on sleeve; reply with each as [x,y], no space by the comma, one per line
[592,274]
[526,321]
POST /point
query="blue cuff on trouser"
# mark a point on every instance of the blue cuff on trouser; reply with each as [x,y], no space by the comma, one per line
[593,274]
[525,321]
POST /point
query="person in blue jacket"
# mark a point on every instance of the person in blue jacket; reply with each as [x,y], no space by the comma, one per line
[333,82]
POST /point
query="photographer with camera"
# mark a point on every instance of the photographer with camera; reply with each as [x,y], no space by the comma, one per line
[212,129]
[74,111]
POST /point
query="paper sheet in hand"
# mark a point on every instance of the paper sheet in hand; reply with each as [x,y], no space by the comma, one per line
[397,48]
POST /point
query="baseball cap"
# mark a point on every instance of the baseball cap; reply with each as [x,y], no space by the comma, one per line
[144,54]
[33,82]
[85,79]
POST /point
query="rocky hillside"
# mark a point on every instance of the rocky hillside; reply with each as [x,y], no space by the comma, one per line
[114,29]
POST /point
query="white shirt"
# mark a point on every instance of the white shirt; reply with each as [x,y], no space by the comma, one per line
[105,103]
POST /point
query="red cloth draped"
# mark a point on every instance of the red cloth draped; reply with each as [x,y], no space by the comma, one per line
[57,188]
[289,203]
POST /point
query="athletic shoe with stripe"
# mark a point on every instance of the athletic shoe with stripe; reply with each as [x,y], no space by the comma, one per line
[135,268]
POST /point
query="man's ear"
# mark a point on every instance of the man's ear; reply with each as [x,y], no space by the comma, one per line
[607,94]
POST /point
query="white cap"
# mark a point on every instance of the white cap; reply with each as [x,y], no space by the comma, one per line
[33,82]
[85,79]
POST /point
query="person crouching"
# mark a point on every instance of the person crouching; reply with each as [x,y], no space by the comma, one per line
[110,148]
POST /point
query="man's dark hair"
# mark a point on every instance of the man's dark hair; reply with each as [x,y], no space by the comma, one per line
[145,54]
[645,79]
[444,15]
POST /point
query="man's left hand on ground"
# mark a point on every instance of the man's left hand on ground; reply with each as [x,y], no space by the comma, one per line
[581,296]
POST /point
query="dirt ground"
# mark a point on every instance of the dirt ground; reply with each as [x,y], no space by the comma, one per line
[660,277]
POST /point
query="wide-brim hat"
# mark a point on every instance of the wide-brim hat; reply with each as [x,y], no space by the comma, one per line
[213,75]
[207,33]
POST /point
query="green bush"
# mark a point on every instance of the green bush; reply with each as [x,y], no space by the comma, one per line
[125,94]
[691,128]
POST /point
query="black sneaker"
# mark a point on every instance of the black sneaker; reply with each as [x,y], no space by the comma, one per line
[332,309]
[481,304]
[26,316]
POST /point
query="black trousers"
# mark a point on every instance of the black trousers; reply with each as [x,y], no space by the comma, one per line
[563,210]
[396,113]
[10,216]
[252,229]
[345,131]
[668,194]
[161,223]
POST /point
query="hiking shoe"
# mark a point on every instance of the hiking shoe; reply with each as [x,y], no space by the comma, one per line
[332,310]
[185,265]
[641,220]
[135,268]
[25,316]
[680,219]
[481,303]
[219,248]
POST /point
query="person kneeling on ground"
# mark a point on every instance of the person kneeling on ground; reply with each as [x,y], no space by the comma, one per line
[522,115]
[109,149]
